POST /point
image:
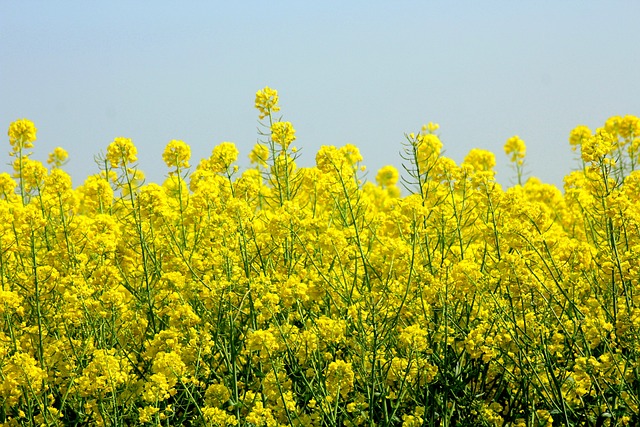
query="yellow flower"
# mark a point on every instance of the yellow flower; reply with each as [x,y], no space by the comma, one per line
[344,160]
[170,365]
[22,133]
[7,186]
[216,417]
[544,418]
[578,135]
[104,374]
[387,176]
[96,194]
[217,395]
[146,414]
[222,157]
[331,330]
[327,158]
[20,373]
[597,147]
[428,150]
[267,101]
[411,421]
[339,378]
[121,152]
[261,416]
[414,338]
[57,157]
[480,160]
[157,388]
[58,182]
[430,127]
[629,127]
[352,154]
[283,134]
[33,173]
[287,294]
[259,155]
[491,414]
[177,154]
[10,302]
[515,148]
[261,341]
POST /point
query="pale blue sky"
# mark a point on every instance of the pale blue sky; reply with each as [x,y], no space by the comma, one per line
[360,72]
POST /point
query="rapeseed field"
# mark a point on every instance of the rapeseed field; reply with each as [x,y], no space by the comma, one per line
[288,296]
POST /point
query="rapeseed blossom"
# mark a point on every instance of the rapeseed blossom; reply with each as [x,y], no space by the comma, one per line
[267,102]
[515,149]
[340,378]
[283,134]
[121,152]
[387,176]
[285,295]
[22,134]
[177,154]
[222,157]
[259,155]
[58,157]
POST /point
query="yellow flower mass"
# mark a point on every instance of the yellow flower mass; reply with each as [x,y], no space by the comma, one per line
[121,152]
[22,134]
[307,296]
[515,149]
[177,154]
[267,102]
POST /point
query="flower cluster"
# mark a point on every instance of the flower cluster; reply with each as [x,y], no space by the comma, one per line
[177,154]
[267,102]
[22,134]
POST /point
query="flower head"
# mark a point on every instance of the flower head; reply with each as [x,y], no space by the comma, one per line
[259,155]
[430,127]
[480,160]
[177,154]
[22,133]
[58,157]
[387,176]
[339,378]
[222,157]
[515,149]
[283,133]
[578,135]
[598,146]
[267,101]
[121,152]
[429,147]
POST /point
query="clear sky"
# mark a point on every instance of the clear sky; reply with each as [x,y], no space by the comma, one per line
[360,72]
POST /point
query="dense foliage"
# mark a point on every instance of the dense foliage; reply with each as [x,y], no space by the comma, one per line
[301,296]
